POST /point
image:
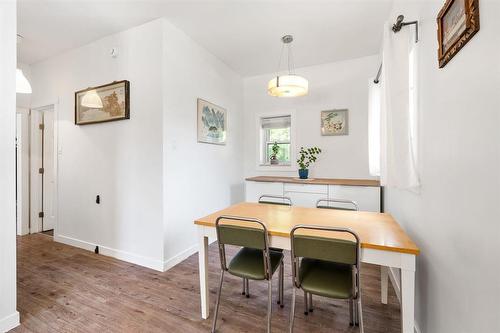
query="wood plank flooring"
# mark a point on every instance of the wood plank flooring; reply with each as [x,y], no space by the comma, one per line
[65,289]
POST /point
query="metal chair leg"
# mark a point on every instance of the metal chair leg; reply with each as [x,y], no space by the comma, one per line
[269,304]
[360,315]
[247,287]
[310,303]
[351,317]
[306,306]
[218,301]
[292,310]
[244,287]
[281,284]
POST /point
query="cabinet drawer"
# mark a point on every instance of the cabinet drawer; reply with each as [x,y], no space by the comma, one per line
[367,198]
[306,188]
[253,190]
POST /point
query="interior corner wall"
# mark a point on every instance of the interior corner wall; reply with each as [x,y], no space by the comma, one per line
[455,217]
[339,85]
[121,160]
[199,178]
[24,100]
[9,317]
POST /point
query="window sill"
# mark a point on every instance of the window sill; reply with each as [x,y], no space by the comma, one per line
[276,167]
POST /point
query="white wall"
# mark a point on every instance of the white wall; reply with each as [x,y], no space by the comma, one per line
[455,218]
[199,178]
[9,317]
[121,161]
[337,85]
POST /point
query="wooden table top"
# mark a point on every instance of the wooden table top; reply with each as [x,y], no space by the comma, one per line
[316,181]
[375,230]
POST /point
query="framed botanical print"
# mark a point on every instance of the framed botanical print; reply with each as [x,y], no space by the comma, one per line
[335,122]
[104,103]
[458,22]
[212,123]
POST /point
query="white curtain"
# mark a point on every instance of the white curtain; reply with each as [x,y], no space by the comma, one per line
[399,110]
[374,106]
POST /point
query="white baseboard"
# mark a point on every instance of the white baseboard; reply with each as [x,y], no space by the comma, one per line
[180,257]
[395,282]
[9,322]
[110,252]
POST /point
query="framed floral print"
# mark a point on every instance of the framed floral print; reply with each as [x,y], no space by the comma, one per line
[335,122]
[212,123]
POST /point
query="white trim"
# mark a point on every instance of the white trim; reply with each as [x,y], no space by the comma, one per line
[9,322]
[110,252]
[395,282]
[180,257]
[293,139]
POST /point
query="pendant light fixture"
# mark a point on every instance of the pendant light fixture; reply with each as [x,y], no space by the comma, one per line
[23,86]
[291,84]
[91,100]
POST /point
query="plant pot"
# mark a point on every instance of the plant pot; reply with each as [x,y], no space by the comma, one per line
[274,160]
[303,173]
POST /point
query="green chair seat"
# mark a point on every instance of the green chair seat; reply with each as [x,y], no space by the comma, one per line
[325,278]
[249,263]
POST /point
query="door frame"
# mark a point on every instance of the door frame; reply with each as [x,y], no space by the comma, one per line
[36,186]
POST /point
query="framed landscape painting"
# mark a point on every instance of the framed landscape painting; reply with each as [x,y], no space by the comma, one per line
[104,103]
[335,122]
[458,22]
[212,122]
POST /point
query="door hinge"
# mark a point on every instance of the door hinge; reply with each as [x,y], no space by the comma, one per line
[41,126]
[41,214]
[41,170]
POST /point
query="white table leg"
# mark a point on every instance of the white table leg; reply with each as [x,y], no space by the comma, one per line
[408,294]
[384,282]
[203,270]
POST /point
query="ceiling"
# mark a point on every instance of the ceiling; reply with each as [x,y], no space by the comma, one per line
[244,34]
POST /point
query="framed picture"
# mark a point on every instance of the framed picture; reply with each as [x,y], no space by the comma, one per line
[212,123]
[104,103]
[457,22]
[335,122]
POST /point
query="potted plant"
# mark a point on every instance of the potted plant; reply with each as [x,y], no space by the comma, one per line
[307,157]
[275,149]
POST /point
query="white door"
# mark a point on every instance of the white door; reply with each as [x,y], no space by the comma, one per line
[42,187]
[49,190]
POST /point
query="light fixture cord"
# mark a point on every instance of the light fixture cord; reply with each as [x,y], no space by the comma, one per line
[279,63]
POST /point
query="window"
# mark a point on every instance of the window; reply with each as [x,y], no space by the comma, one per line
[275,131]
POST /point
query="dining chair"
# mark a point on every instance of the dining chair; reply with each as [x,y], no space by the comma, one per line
[336,202]
[254,261]
[328,267]
[273,200]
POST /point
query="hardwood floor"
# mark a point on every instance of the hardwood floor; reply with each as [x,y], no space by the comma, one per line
[65,289]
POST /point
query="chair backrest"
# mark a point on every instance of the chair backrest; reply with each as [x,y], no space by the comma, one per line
[253,234]
[275,200]
[326,204]
[324,248]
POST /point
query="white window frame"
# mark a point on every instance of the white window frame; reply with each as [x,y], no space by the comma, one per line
[259,142]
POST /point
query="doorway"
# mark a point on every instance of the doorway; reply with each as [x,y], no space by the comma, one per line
[42,170]
[36,171]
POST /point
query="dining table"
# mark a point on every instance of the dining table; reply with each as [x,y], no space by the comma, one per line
[383,242]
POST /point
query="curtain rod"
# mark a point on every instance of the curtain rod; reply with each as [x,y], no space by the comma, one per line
[396,27]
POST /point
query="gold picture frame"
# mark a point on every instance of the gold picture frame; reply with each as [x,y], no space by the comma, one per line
[114,99]
[458,22]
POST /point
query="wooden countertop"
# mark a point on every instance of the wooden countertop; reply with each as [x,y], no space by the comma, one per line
[316,181]
[375,230]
